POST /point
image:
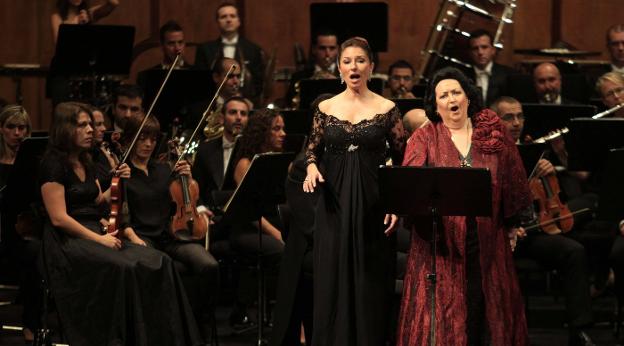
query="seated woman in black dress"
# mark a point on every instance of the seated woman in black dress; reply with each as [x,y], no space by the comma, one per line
[108,291]
[149,204]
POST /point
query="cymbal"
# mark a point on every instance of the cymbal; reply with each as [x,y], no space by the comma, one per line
[556,52]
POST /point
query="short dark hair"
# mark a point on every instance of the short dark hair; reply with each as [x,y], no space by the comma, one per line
[130,91]
[226,3]
[400,64]
[323,32]
[170,26]
[481,32]
[506,99]
[218,66]
[235,98]
[472,92]
[150,129]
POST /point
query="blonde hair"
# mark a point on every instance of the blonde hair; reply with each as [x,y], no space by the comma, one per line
[9,113]
[613,77]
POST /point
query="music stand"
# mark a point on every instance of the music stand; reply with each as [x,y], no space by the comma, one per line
[312,88]
[611,207]
[540,119]
[93,49]
[184,88]
[368,20]
[590,140]
[23,181]
[435,192]
[297,121]
[531,154]
[406,105]
[260,189]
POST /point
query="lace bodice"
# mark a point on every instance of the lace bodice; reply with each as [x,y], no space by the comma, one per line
[330,134]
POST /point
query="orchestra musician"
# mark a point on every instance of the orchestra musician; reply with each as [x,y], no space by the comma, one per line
[610,87]
[553,251]
[15,126]
[354,250]
[132,294]
[127,103]
[232,45]
[149,205]
[472,250]
[400,80]
[615,44]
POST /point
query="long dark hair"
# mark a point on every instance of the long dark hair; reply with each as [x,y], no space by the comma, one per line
[472,92]
[63,7]
[257,133]
[62,140]
[150,129]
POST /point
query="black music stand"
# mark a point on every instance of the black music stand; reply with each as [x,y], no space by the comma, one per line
[435,192]
[312,88]
[184,88]
[22,186]
[540,119]
[531,154]
[590,140]
[297,121]
[93,49]
[260,190]
[611,206]
[406,105]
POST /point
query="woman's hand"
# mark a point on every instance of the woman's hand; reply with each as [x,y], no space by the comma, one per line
[513,236]
[183,168]
[390,220]
[133,237]
[313,177]
[544,168]
[123,171]
[110,240]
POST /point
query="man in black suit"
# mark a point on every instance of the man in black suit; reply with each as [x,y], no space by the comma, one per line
[214,157]
[491,77]
[172,43]
[232,45]
[615,43]
[324,51]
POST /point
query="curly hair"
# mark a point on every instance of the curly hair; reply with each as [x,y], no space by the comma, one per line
[257,133]
[472,92]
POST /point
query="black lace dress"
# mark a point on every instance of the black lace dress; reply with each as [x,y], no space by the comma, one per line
[131,296]
[354,262]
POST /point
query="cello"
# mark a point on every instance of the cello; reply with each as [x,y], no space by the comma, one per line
[186,224]
[116,188]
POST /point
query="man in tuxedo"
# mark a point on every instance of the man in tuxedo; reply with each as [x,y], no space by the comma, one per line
[324,50]
[231,45]
[215,156]
[491,77]
[172,43]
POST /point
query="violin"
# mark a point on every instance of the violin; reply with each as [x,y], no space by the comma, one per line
[116,189]
[186,223]
[553,215]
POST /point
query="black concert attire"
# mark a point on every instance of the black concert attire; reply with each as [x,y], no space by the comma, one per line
[150,209]
[106,296]
[498,81]
[246,53]
[306,73]
[354,260]
[210,169]
[22,253]
[294,285]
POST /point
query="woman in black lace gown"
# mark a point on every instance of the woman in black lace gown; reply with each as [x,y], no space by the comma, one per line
[107,290]
[354,253]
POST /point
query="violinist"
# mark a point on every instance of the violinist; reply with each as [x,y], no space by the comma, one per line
[559,251]
[127,103]
[104,154]
[107,290]
[150,205]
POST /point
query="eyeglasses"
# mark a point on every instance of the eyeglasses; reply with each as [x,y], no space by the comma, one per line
[510,117]
[398,78]
[613,92]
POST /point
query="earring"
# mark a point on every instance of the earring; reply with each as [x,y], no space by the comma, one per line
[341,79]
[370,76]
